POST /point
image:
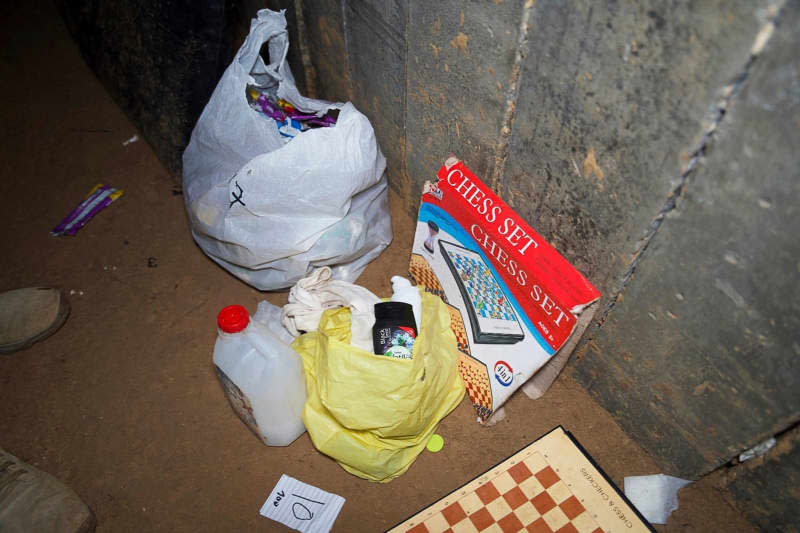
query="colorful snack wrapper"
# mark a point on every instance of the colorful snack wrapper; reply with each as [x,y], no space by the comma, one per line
[99,197]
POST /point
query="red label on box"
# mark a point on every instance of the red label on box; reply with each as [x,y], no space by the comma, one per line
[545,286]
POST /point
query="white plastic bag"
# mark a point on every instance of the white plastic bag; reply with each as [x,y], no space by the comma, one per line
[269,211]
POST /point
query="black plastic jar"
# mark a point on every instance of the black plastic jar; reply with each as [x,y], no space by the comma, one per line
[395,330]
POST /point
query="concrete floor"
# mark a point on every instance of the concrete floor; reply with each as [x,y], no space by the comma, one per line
[122,403]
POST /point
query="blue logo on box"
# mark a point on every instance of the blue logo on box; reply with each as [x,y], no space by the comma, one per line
[503,373]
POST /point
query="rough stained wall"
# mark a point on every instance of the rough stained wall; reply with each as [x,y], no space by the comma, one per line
[461,58]
[159,60]
[326,42]
[376,41]
[699,358]
[613,100]
[768,487]
[433,77]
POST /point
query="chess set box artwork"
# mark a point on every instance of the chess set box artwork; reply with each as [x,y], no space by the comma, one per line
[513,299]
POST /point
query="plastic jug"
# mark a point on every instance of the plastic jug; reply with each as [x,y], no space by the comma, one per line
[262,376]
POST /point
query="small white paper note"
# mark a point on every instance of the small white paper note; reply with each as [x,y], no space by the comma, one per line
[302,506]
[654,496]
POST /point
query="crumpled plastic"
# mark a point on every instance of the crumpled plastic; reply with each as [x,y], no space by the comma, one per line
[374,414]
[268,211]
[312,295]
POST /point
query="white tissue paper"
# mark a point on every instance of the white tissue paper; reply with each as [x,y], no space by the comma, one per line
[654,496]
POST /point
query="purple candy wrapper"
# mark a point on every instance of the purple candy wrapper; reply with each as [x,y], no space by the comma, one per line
[99,197]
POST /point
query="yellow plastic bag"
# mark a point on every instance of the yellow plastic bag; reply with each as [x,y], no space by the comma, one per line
[374,414]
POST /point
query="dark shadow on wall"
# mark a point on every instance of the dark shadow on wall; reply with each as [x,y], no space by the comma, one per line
[160,61]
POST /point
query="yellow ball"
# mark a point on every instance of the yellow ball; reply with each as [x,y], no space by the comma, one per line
[435,443]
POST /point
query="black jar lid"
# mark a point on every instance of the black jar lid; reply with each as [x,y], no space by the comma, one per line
[396,311]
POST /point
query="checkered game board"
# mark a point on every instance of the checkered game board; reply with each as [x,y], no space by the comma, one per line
[473,372]
[420,271]
[529,496]
[487,297]
[540,489]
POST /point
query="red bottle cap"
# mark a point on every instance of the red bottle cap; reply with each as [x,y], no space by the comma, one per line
[233,319]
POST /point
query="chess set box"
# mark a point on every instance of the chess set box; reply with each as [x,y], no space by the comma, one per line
[514,300]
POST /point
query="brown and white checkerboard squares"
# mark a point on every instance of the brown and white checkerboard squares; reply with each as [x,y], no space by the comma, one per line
[473,372]
[529,496]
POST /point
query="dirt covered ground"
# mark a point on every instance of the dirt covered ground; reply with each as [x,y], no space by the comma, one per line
[122,403]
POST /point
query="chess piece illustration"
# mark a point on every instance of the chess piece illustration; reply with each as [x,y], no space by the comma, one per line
[433,228]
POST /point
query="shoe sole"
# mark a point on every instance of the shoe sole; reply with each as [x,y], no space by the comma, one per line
[61,317]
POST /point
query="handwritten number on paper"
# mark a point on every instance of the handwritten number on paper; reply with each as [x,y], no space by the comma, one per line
[298,508]
[291,503]
[297,511]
